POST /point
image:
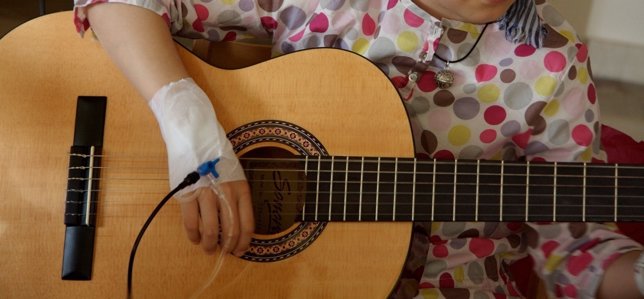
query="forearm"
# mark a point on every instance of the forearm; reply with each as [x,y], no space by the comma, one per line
[139,42]
[618,279]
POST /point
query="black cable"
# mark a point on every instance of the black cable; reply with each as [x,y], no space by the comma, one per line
[189,180]
[478,39]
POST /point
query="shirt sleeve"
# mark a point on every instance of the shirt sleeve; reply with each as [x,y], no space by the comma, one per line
[82,22]
[216,20]
[567,127]
[571,257]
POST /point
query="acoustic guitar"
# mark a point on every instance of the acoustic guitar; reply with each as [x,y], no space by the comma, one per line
[328,151]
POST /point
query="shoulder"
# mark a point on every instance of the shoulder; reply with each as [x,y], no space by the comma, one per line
[561,33]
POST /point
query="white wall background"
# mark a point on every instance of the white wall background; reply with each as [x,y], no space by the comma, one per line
[614,30]
[617,20]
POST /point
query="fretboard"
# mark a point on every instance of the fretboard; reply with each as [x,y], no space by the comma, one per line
[407,189]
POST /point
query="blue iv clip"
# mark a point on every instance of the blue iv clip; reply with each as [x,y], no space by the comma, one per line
[208,167]
[209,170]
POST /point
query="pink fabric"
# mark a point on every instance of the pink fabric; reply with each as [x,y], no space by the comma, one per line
[621,148]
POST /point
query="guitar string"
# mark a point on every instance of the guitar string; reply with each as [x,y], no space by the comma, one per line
[421,203]
[381,182]
[446,203]
[438,213]
[440,204]
[466,173]
[506,186]
[410,161]
[609,178]
[608,208]
[441,173]
[371,171]
[447,199]
[373,160]
[544,216]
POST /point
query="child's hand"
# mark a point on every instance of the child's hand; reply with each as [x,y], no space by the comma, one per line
[193,136]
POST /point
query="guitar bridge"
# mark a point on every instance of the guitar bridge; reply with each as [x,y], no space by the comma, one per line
[82,188]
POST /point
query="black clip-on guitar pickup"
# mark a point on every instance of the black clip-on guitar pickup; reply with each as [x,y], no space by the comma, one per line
[82,188]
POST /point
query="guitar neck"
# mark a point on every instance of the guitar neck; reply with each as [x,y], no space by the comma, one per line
[407,189]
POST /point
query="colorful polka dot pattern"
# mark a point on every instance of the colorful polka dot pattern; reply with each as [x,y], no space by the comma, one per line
[508,100]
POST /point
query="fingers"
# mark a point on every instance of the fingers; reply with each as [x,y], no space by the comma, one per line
[190,215]
[246,219]
[229,214]
[208,209]
[203,217]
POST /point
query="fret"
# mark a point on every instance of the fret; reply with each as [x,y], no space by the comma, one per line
[599,188]
[377,189]
[360,187]
[346,183]
[514,191]
[527,191]
[306,165]
[354,189]
[455,184]
[317,189]
[489,189]
[502,186]
[616,185]
[369,186]
[331,188]
[554,192]
[583,195]
[413,193]
[404,190]
[395,192]
[444,191]
[569,192]
[541,189]
[465,180]
[478,183]
[631,188]
[323,197]
[433,209]
[338,186]
[387,189]
[310,164]
[421,205]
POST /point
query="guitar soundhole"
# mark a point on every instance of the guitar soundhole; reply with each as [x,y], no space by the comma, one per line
[277,184]
[272,152]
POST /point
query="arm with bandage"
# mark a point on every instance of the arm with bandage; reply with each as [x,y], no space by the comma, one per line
[188,124]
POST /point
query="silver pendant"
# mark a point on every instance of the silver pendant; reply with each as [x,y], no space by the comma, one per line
[444,78]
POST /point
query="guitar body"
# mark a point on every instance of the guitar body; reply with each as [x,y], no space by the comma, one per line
[345,103]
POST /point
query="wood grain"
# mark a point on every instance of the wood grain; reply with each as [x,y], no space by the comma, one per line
[342,99]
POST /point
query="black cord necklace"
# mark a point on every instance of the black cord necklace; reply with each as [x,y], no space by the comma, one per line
[445,77]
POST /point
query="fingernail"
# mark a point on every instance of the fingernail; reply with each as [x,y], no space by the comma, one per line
[239,253]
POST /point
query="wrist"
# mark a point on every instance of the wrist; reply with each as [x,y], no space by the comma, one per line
[192,133]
